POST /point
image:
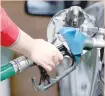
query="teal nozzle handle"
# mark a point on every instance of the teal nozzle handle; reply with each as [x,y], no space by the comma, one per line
[7,71]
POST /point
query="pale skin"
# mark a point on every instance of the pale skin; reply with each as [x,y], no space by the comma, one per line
[40,51]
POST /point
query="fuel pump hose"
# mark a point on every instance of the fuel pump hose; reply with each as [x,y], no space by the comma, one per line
[7,71]
[13,67]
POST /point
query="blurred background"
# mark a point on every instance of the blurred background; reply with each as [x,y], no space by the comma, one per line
[49,8]
[33,17]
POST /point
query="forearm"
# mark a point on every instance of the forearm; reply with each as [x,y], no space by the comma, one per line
[23,43]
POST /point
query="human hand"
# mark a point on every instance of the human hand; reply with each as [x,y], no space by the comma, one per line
[45,54]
